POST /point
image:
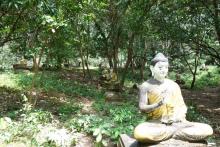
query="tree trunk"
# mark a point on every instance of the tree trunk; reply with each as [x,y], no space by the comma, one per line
[83,63]
[87,66]
[216,19]
[115,60]
[87,69]
[132,64]
[196,62]
[37,60]
[35,66]
[195,72]
[115,50]
[129,58]
[142,68]
[110,61]
[144,60]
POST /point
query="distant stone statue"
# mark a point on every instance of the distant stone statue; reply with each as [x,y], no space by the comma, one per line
[23,62]
[204,67]
[21,65]
[161,98]
[179,80]
[109,79]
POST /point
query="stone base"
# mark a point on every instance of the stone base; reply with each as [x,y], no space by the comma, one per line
[127,141]
[111,96]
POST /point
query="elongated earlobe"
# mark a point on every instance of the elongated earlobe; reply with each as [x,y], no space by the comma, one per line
[152,70]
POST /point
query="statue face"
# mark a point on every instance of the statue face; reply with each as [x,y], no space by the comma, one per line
[160,70]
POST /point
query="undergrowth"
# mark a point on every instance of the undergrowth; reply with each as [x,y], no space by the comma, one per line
[109,121]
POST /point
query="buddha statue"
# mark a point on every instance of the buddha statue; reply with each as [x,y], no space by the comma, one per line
[109,79]
[161,98]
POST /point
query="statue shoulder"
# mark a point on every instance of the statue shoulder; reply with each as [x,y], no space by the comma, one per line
[144,85]
[171,82]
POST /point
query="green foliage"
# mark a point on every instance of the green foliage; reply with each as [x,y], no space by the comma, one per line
[49,143]
[67,110]
[134,77]
[194,115]
[204,78]
[7,59]
[37,116]
[27,125]
[51,81]
[27,128]
[100,29]
[110,119]
[110,123]
[209,78]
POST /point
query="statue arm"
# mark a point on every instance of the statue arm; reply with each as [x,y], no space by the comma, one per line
[181,109]
[143,101]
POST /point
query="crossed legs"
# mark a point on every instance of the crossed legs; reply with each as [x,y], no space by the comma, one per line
[156,132]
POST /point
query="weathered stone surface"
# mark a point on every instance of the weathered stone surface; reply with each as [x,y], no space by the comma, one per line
[111,96]
[127,141]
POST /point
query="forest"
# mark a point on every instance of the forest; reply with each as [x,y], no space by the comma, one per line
[72,68]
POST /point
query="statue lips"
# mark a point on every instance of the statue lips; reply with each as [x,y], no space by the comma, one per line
[163,74]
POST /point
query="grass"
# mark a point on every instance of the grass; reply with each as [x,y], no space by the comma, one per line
[50,82]
[115,120]
[109,121]
[8,79]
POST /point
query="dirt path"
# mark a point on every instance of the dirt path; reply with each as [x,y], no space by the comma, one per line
[208,104]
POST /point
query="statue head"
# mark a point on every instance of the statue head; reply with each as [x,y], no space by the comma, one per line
[159,67]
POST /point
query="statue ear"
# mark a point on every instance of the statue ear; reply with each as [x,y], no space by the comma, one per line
[152,70]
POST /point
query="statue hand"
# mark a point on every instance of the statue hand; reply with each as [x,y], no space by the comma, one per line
[161,102]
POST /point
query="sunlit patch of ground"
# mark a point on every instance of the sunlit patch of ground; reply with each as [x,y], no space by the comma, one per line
[8,80]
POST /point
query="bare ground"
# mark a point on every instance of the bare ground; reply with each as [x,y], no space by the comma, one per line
[208,104]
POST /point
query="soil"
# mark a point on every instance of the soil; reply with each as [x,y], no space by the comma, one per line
[208,104]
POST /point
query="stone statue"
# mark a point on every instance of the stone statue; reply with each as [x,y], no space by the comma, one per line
[161,98]
[109,79]
[108,76]
[21,65]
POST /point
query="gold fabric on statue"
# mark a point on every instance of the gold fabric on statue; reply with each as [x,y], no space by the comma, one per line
[175,104]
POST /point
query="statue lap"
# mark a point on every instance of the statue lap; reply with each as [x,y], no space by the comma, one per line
[152,132]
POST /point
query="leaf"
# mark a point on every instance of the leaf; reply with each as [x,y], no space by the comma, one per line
[10,3]
[99,138]
[3,124]
[16,6]
[104,143]
[96,132]
[7,119]
[104,132]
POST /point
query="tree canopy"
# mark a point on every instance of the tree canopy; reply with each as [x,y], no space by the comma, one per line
[126,33]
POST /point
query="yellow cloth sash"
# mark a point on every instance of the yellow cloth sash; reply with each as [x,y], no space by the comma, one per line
[174,102]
